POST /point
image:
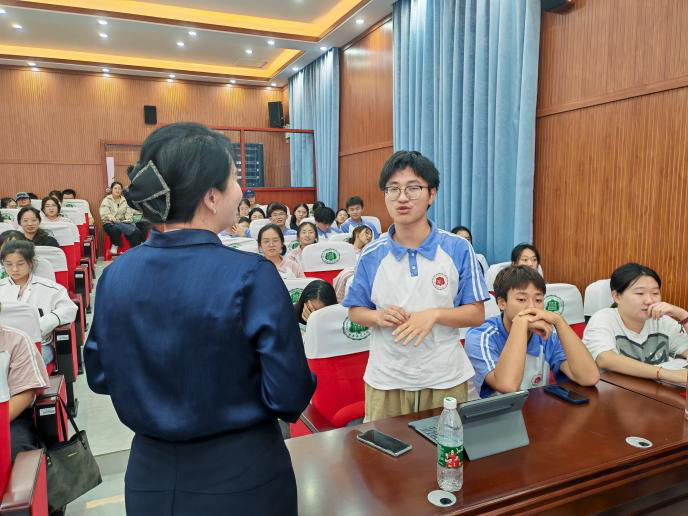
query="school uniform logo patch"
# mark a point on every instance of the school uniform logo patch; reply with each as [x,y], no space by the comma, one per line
[440,281]
[536,380]
[554,304]
[354,331]
[330,256]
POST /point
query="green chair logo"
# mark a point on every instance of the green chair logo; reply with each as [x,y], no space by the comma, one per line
[295,294]
[554,304]
[355,331]
[6,216]
[234,246]
[293,245]
[330,256]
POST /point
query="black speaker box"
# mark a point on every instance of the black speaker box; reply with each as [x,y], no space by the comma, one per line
[276,114]
[150,115]
[557,6]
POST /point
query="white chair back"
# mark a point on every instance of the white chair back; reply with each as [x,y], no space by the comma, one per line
[598,295]
[492,272]
[491,309]
[295,286]
[4,371]
[76,215]
[330,333]
[43,268]
[5,226]
[23,317]
[36,203]
[54,256]
[483,262]
[255,227]
[308,219]
[9,216]
[79,203]
[328,256]
[566,300]
[289,240]
[374,221]
[64,231]
[243,244]
[339,237]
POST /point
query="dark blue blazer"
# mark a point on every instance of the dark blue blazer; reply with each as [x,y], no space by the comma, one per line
[191,339]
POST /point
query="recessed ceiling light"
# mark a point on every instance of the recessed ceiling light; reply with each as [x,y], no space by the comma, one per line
[106,70]
[271,42]
[249,51]
[360,21]
[180,43]
[228,85]
[233,81]
[2,11]
[192,33]
[102,22]
[35,69]
[17,26]
[172,76]
[295,68]
[273,84]
[170,80]
[103,35]
[31,63]
[323,49]
[106,75]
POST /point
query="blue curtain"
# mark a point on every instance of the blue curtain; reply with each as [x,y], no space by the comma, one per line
[465,90]
[314,104]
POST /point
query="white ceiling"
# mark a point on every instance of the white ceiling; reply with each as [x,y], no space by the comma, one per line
[295,10]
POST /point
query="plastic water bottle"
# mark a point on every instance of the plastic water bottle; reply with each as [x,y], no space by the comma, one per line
[450,448]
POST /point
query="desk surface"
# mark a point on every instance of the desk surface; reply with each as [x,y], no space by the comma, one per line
[666,393]
[573,451]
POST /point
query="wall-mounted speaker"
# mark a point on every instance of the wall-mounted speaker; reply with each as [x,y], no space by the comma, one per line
[150,115]
[557,6]
[276,114]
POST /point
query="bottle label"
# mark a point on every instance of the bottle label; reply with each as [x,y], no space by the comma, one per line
[450,456]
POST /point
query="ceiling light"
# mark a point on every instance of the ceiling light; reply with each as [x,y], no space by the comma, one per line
[295,68]
[17,26]
[172,76]
[273,84]
[106,70]
[106,75]
[360,21]
[35,69]
[2,11]
[180,43]
[271,42]
[31,63]
[249,51]
[102,22]
[228,85]
[103,35]
[170,80]
[323,49]
[192,33]
[233,81]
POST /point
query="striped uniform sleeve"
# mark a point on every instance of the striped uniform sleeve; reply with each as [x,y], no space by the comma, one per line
[472,286]
[360,291]
[555,356]
[482,349]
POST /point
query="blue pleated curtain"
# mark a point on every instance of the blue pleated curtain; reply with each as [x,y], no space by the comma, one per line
[465,90]
[314,104]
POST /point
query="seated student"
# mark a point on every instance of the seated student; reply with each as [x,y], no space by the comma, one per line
[250,196]
[23,199]
[463,232]
[340,218]
[244,208]
[57,194]
[639,332]
[307,234]
[26,377]
[118,218]
[8,202]
[32,196]
[68,193]
[354,208]
[517,349]
[8,236]
[29,219]
[525,254]
[300,212]
[51,299]
[416,285]
[315,296]
[240,229]
[277,213]
[316,206]
[256,214]
[51,207]
[271,243]
[324,218]
[360,238]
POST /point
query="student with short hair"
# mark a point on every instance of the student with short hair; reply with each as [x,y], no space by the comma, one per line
[57,194]
[256,213]
[324,220]
[640,331]
[68,193]
[51,207]
[29,219]
[525,254]
[415,287]
[244,208]
[517,349]
[8,202]
[316,206]
[271,243]
[277,213]
[354,208]
[463,232]
[23,200]
[250,195]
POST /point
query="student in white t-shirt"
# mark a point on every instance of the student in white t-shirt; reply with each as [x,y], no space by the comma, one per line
[640,332]
[415,287]
[518,348]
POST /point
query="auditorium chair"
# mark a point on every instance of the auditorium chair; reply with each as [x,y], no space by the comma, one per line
[374,221]
[49,414]
[295,286]
[483,262]
[325,260]
[491,309]
[598,295]
[255,227]
[495,269]
[243,244]
[5,226]
[339,237]
[123,246]
[83,205]
[9,216]
[337,353]
[566,300]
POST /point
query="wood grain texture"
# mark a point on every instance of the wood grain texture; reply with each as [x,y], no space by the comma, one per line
[611,179]
[365,121]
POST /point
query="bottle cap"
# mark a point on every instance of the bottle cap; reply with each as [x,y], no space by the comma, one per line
[450,403]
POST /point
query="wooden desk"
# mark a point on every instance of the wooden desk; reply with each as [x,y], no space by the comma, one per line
[669,394]
[577,462]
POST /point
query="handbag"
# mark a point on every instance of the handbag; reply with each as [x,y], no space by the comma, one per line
[70,466]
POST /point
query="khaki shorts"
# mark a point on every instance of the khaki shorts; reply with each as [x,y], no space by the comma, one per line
[396,402]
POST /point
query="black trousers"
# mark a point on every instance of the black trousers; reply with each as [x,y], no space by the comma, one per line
[245,472]
[115,233]
[22,433]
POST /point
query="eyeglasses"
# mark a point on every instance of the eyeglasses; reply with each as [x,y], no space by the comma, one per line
[412,192]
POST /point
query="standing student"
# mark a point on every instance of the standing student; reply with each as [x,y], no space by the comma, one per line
[640,331]
[354,208]
[415,287]
[324,220]
[517,349]
[204,391]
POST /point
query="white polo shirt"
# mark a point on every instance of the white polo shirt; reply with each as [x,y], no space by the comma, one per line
[442,273]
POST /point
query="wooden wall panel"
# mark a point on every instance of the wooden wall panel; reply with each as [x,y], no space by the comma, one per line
[365,120]
[611,178]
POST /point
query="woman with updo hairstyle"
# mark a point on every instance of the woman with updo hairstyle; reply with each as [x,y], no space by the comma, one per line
[197,343]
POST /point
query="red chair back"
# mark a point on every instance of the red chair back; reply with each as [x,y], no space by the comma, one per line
[58,260]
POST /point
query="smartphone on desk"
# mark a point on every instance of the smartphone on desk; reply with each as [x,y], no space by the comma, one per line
[565,394]
[383,442]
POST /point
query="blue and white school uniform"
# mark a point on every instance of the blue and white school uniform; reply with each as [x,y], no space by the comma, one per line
[485,344]
[332,231]
[442,273]
[350,224]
